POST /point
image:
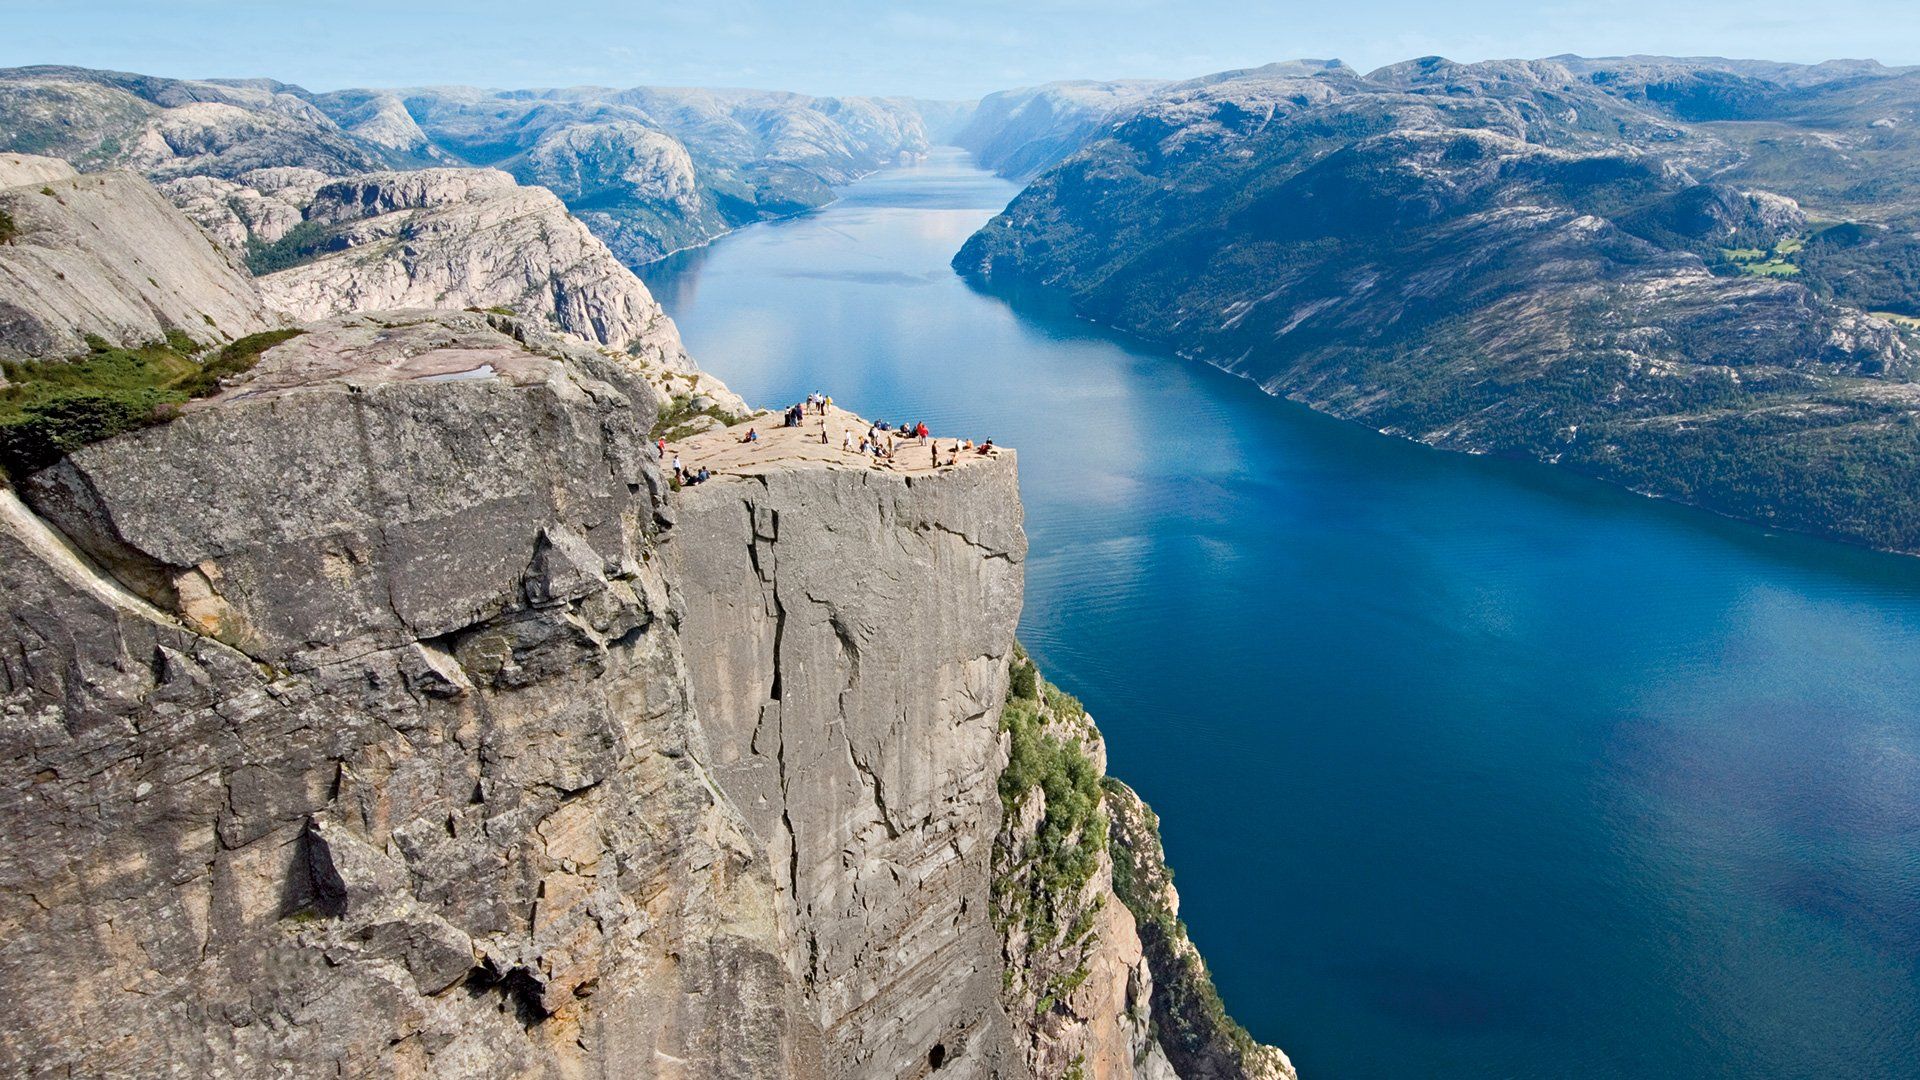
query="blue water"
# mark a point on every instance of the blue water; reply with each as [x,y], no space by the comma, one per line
[1463,765]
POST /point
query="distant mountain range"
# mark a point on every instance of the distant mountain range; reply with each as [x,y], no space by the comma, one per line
[1696,277]
[649,170]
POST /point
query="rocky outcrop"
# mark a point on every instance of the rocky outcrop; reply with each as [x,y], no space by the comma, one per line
[468,238]
[255,210]
[1075,973]
[384,760]
[1098,966]
[104,255]
[847,631]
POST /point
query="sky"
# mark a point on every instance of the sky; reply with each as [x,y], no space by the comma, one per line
[941,50]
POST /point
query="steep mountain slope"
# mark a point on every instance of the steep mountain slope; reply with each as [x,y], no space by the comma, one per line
[103,256]
[1510,257]
[1020,133]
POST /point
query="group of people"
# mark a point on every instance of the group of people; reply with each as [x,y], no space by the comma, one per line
[882,441]
[684,476]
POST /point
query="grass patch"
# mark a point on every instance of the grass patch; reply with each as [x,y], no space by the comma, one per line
[8,230]
[1767,262]
[1897,319]
[50,408]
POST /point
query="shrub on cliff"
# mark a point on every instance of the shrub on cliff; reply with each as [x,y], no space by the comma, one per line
[50,408]
[1053,871]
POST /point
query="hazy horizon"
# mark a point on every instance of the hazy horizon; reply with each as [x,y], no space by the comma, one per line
[867,47]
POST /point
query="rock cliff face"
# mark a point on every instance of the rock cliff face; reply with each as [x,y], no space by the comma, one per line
[382,760]
[105,255]
[848,650]
[467,238]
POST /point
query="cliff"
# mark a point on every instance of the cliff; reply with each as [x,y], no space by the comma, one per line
[464,238]
[376,705]
[104,256]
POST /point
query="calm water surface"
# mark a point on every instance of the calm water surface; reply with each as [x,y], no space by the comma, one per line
[1464,765]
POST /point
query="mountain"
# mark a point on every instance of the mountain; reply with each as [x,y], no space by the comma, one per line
[104,257]
[1019,133]
[373,701]
[1586,262]
[650,170]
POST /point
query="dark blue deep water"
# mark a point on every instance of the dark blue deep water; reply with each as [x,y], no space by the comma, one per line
[1465,766]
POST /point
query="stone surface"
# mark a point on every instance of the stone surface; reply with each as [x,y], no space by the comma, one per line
[847,632]
[470,238]
[106,255]
[465,833]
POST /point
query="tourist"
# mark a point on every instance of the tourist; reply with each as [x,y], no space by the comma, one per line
[985,448]
[921,430]
[752,436]
[846,439]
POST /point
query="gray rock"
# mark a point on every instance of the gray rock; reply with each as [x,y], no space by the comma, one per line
[470,238]
[106,255]
[847,634]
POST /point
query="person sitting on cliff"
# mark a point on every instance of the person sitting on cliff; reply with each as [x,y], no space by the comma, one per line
[752,435]
[701,476]
[985,448]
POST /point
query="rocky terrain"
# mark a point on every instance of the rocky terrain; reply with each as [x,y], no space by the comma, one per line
[1618,266]
[447,736]
[104,256]
[649,170]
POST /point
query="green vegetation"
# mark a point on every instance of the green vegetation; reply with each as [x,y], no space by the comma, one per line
[8,230]
[1766,262]
[1048,878]
[50,408]
[303,243]
[680,418]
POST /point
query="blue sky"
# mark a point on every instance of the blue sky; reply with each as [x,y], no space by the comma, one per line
[930,49]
